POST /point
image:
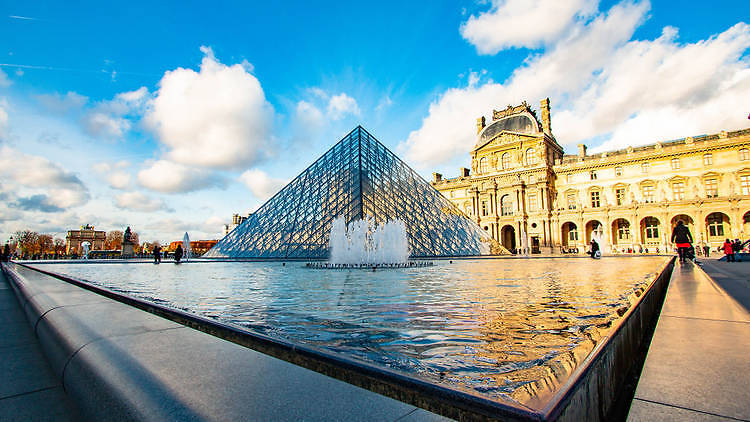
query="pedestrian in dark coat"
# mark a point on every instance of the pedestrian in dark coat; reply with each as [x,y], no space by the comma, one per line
[682,239]
[178,254]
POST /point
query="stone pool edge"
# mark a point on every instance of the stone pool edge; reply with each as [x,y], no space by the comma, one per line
[587,395]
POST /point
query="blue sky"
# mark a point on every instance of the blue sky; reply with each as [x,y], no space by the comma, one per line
[170,117]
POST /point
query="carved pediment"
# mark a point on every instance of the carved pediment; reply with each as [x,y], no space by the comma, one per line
[511,110]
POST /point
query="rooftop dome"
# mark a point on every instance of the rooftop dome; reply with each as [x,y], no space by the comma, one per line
[522,123]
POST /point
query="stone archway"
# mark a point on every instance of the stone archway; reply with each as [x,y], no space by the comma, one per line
[508,237]
[718,227]
[621,232]
[745,226]
[686,220]
[569,234]
[651,231]
[594,228]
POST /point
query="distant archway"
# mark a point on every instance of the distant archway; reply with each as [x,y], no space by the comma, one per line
[592,227]
[686,220]
[508,237]
[717,227]
[650,230]
[621,232]
[745,226]
[569,234]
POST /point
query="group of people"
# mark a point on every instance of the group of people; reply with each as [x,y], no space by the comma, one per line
[731,248]
[178,253]
[683,240]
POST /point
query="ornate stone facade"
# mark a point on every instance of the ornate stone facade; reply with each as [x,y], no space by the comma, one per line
[87,234]
[528,194]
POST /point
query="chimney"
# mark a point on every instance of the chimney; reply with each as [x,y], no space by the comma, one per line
[546,123]
[463,172]
[480,124]
[581,150]
[437,177]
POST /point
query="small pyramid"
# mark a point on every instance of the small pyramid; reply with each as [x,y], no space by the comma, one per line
[357,178]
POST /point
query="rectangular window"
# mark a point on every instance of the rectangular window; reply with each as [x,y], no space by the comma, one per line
[595,202]
[484,208]
[675,164]
[745,184]
[568,178]
[618,171]
[623,232]
[592,174]
[708,159]
[648,194]
[645,167]
[620,196]
[532,202]
[572,202]
[712,188]
[679,190]
[744,154]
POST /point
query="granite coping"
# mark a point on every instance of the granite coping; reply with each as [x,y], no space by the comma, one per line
[697,366]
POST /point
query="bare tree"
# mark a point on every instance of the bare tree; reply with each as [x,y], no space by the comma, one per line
[44,244]
[27,240]
[113,240]
[59,246]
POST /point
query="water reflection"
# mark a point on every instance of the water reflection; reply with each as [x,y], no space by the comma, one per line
[501,328]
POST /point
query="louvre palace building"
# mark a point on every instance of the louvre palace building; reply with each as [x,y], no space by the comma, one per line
[527,193]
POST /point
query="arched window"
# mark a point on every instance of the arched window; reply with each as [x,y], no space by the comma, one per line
[506,205]
[483,165]
[530,157]
[651,228]
[715,223]
[505,161]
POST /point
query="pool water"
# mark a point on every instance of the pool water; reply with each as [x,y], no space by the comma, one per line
[501,328]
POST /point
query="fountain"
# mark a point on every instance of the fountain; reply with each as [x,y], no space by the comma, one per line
[85,246]
[364,244]
[186,247]
[596,235]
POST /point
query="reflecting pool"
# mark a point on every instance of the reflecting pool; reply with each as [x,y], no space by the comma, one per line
[510,328]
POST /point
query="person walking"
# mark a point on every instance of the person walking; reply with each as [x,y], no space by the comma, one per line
[728,250]
[595,252]
[178,254]
[682,239]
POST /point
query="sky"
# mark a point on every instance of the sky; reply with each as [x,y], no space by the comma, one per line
[169,117]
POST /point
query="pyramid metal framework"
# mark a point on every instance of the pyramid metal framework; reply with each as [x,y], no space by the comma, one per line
[358,177]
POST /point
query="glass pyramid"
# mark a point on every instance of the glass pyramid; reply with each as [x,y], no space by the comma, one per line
[358,177]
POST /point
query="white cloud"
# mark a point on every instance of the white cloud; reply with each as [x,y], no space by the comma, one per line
[523,23]
[340,105]
[62,103]
[309,116]
[603,85]
[112,119]
[217,117]
[106,125]
[138,201]
[4,81]
[39,183]
[3,119]
[169,177]
[260,184]
[115,174]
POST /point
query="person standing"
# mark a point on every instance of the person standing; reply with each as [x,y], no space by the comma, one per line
[682,239]
[157,254]
[595,253]
[728,250]
[178,254]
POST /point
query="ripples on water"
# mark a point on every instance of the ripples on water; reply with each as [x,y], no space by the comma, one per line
[510,328]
